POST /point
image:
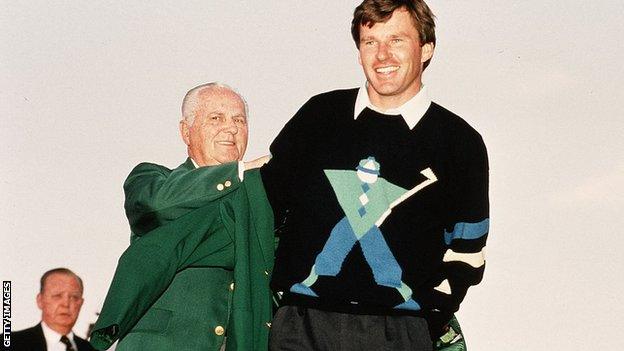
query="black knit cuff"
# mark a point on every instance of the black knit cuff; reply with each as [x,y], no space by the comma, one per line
[438,322]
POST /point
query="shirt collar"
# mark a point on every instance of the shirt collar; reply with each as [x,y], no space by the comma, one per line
[52,337]
[194,164]
[412,110]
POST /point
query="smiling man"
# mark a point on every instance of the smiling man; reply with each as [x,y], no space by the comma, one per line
[202,240]
[214,125]
[382,198]
[60,300]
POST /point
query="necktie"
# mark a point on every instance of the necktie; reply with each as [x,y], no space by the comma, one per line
[68,345]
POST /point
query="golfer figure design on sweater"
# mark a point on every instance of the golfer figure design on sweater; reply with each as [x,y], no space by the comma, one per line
[364,214]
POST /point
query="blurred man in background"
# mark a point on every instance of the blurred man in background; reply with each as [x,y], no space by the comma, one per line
[59,299]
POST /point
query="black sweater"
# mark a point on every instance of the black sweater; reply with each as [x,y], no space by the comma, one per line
[436,235]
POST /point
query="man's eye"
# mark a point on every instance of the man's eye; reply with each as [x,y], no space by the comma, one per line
[239,120]
[396,40]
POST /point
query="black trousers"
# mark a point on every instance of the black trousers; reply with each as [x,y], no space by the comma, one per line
[300,329]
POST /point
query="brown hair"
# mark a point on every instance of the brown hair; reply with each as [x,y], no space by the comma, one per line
[58,271]
[370,12]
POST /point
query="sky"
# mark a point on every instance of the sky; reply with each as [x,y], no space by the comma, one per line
[90,89]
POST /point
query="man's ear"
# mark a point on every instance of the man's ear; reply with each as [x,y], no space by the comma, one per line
[39,301]
[426,52]
[185,132]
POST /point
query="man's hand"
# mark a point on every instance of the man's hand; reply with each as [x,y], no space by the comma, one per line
[453,339]
[257,162]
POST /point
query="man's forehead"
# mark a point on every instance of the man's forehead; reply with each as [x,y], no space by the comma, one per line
[61,281]
[400,13]
[217,93]
[221,104]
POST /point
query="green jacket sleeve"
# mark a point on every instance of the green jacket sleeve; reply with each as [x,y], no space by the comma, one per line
[147,267]
[156,195]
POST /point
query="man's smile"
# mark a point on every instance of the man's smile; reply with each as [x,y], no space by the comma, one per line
[226,143]
[387,69]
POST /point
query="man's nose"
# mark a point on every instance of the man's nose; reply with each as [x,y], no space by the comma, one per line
[230,126]
[382,52]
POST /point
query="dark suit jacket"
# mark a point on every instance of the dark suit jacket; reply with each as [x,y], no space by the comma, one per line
[32,339]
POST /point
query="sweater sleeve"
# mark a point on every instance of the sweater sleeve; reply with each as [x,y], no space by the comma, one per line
[466,231]
[290,156]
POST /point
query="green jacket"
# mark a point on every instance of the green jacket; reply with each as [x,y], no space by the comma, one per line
[199,266]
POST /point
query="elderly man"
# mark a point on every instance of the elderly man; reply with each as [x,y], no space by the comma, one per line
[196,273]
[59,299]
[383,197]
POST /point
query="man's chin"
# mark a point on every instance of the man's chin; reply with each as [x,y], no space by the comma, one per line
[230,157]
[65,320]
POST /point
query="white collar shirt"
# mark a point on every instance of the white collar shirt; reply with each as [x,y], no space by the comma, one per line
[53,339]
[411,111]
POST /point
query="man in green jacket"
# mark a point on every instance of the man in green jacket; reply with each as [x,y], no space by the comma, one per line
[195,276]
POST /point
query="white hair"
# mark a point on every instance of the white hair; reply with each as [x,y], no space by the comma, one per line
[191,99]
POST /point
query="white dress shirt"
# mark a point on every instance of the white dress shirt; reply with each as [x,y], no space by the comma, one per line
[412,110]
[53,339]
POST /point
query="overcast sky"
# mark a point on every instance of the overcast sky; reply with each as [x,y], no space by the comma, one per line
[90,89]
